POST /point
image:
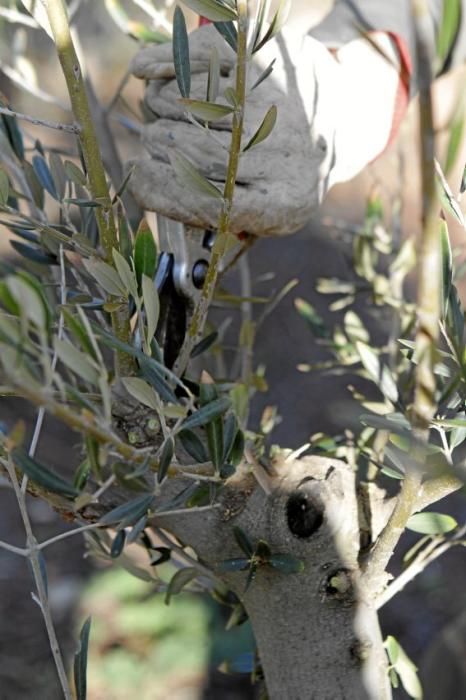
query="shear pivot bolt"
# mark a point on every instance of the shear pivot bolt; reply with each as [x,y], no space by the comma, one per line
[199,273]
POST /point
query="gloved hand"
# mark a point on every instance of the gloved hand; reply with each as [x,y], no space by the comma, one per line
[334,116]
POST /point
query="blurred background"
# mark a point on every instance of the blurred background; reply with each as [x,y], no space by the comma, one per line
[139,645]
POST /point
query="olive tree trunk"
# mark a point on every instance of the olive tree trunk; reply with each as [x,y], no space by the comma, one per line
[317,631]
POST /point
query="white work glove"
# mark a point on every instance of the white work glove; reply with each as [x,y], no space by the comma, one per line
[334,116]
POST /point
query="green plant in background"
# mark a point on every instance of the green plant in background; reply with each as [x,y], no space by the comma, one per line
[168,462]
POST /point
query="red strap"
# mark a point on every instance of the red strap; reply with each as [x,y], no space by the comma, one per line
[402,94]
[203,20]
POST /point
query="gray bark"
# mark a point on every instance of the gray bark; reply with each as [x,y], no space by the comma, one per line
[317,632]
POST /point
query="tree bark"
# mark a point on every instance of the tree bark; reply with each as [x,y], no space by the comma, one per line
[317,632]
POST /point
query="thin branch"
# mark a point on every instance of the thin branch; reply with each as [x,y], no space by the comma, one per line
[72,71]
[185,511]
[36,566]
[68,533]
[198,320]
[15,550]
[435,489]
[421,562]
[428,308]
[105,486]
[16,17]
[70,128]
[181,553]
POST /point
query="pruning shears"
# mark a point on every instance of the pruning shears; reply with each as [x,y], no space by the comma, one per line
[181,271]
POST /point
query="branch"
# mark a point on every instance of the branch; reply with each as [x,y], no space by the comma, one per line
[200,313]
[434,490]
[38,574]
[428,555]
[428,308]
[15,550]
[70,128]
[98,187]
[16,17]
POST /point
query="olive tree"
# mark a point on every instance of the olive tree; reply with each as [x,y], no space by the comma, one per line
[296,541]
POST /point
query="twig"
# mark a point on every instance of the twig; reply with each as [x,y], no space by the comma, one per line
[16,17]
[105,486]
[421,562]
[15,550]
[88,425]
[181,553]
[200,313]
[70,128]
[69,533]
[35,560]
[185,511]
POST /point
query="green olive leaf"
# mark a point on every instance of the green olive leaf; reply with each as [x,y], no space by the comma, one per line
[264,130]
[181,53]
[189,176]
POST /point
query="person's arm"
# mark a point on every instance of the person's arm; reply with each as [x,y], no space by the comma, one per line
[340,91]
[350,20]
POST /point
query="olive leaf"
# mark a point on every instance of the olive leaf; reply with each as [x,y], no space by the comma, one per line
[264,75]
[106,276]
[179,581]
[207,413]
[275,26]
[431,523]
[80,661]
[166,458]
[58,172]
[77,361]
[74,173]
[404,667]
[447,265]
[194,446]
[189,176]
[181,53]
[4,187]
[127,275]
[128,513]
[208,111]
[264,130]
[44,175]
[41,475]
[229,33]
[447,198]
[145,252]
[151,305]
[141,391]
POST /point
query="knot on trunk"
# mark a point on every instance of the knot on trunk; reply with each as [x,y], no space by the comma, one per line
[303,516]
